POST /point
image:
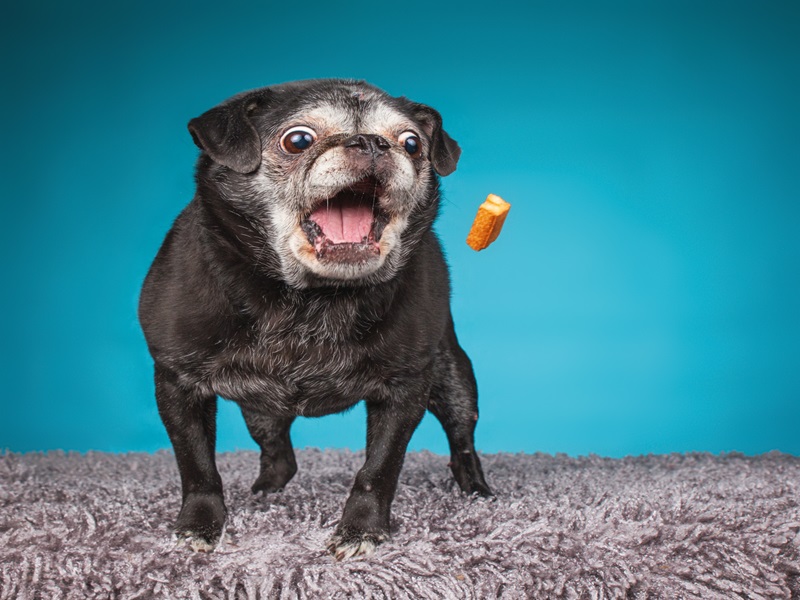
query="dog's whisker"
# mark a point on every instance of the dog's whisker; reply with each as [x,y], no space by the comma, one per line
[259,254]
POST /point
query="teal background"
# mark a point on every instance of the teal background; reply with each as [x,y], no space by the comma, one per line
[643,296]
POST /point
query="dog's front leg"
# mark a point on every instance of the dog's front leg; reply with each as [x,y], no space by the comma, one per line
[365,521]
[190,419]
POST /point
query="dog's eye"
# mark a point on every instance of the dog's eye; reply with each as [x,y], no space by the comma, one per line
[298,139]
[410,141]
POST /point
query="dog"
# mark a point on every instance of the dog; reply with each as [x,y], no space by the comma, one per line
[303,277]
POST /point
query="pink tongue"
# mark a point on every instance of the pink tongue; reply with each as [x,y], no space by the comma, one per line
[344,221]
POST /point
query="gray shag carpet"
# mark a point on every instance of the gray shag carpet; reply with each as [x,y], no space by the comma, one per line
[671,526]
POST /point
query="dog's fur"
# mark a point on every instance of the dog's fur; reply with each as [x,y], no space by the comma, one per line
[251,300]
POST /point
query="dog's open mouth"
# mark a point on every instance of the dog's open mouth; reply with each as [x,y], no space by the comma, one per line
[347,226]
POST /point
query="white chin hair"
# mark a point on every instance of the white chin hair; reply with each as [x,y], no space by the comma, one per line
[331,269]
[345,272]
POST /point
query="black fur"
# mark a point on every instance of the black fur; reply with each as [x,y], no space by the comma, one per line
[220,318]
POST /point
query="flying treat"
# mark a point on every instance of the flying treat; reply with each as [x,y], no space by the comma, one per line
[488,222]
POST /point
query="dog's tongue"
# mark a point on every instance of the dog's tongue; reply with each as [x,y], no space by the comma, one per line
[344,221]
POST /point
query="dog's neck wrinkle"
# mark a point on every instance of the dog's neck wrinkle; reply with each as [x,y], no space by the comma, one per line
[231,226]
[237,241]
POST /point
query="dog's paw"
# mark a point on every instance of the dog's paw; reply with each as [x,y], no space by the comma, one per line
[476,489]
[480,490]
[268,483]
[196,541]
[200,522]
[274,476]
[347,544]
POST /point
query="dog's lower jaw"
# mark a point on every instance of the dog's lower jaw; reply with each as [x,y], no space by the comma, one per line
[336,265]
[369,263]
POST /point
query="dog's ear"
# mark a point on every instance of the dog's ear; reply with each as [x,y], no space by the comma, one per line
[226,133]
[444,149]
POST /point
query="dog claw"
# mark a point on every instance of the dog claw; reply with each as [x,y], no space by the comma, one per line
[345,546]
[195,541]
[481,491]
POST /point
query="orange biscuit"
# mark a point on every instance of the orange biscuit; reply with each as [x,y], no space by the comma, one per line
[488,222]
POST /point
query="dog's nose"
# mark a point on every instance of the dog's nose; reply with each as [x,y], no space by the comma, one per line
[367,143]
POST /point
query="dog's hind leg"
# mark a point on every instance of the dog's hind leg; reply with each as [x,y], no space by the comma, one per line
[454,401]
[278,464]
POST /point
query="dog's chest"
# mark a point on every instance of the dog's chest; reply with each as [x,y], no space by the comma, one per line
[298,365]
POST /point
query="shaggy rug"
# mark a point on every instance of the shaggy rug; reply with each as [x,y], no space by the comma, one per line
[671,527]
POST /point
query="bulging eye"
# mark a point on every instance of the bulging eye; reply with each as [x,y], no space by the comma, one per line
[410,141]
[298,139]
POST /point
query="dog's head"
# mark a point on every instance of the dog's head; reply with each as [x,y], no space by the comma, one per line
[339,177]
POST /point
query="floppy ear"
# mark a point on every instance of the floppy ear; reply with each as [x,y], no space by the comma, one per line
[444,149]
[226,133]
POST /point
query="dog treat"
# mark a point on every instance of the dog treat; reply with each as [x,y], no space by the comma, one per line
[488,222]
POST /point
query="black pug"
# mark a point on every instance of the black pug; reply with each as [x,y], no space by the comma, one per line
[304,277]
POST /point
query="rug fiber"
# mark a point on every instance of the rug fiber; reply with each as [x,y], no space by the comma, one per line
[673,526]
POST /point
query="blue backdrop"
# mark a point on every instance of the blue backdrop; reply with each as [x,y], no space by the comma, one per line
[643,296]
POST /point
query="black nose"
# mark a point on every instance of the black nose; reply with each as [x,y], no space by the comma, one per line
[367,143]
